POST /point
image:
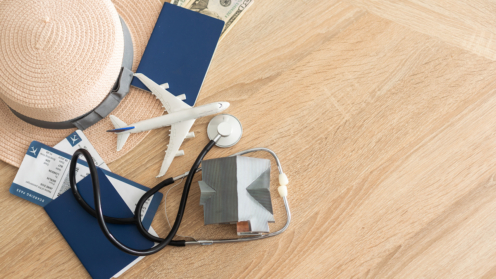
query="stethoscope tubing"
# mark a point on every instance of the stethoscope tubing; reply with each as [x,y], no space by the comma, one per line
[162,242]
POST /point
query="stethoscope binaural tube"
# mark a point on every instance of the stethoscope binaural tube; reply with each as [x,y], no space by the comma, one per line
[137,219]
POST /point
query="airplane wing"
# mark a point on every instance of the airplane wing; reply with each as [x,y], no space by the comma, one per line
[178,134]
[170,102]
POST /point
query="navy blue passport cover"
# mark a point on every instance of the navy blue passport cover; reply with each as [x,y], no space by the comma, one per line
[100,257]
[179,51]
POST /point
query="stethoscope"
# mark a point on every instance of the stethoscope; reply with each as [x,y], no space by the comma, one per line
[224,131]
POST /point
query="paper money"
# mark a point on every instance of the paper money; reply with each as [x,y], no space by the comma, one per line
[180,3]
[230,11]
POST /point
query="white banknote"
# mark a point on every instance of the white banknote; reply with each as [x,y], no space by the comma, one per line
[181,3]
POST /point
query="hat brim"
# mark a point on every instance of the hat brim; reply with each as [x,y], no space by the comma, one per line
[16,135]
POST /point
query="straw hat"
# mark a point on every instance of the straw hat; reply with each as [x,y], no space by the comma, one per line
[60,60]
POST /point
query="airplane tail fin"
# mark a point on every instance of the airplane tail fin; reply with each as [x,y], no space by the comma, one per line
[122,136]
[117,122]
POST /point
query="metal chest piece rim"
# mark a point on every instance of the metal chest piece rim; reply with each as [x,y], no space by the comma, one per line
[223,122]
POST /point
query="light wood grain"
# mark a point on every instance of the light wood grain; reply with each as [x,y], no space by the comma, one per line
[383,115]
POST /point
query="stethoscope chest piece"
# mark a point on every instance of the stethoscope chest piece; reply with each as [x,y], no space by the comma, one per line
[228,127]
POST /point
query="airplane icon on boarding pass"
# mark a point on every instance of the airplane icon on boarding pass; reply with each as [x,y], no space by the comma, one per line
[74,139]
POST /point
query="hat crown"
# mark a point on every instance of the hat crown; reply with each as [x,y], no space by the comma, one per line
[59,58]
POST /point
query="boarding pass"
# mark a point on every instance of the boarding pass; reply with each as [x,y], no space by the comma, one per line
[44,174]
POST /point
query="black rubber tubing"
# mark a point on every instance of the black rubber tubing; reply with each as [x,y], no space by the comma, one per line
[137,217]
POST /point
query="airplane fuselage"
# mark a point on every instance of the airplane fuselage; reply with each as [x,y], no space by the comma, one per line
[183,115]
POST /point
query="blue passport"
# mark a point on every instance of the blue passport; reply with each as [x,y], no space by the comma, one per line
[179,51]
[81,230]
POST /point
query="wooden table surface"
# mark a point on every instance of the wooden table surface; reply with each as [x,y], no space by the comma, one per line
[383,114]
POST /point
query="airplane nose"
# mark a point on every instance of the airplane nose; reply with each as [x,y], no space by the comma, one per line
[225,105]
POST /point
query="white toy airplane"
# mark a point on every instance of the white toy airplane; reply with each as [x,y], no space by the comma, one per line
[180,117]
